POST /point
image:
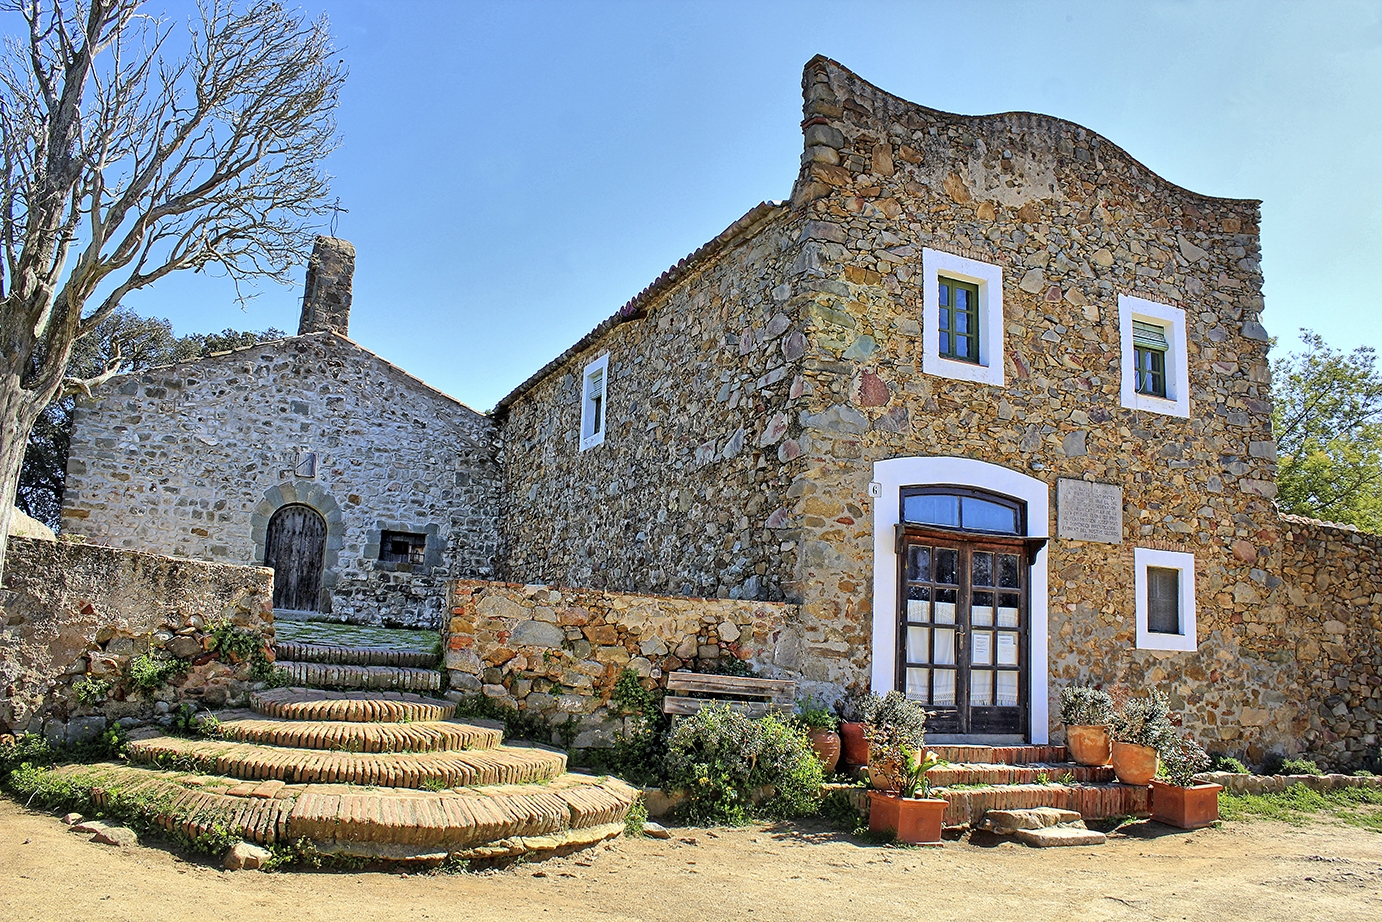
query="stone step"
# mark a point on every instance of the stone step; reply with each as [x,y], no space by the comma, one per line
[1000,755]
[1060,837]
[1030,773]
[336,654]
[347,736]
[389,678]
[253,762]
[1092,801]
[353,706]
[491,822]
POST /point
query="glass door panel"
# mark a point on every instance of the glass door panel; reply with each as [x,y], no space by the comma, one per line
[962,645]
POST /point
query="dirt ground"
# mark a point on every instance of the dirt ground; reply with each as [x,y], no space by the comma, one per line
[1259,871]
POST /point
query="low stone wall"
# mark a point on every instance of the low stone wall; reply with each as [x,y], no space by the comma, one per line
[558,652]
[1236,783]
[1332,577]
[75,612]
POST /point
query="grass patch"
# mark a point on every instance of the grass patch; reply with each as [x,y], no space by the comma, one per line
[1298,805]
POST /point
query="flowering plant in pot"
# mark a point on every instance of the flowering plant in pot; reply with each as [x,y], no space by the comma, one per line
[1139,728]
[895,726]
[1086,712]
[1177,800]
[911,815]
[820,725]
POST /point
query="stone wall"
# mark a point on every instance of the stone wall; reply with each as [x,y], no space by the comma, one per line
[1332,578]
[558,652]
[75,611]
[702,389]
[193,459]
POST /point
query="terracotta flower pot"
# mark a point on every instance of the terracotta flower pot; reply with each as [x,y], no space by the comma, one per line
[855,747]
[1134,764]
[1187,808]
[1088,745]
[914,820]
[827,746]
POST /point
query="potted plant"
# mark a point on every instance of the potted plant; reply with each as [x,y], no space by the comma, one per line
[894,725]
[1178,800]
[1139,727]
[916,820]
[1086,712]
[819,724]
[854,747]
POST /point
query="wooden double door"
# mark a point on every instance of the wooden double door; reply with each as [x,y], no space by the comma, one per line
[963,633]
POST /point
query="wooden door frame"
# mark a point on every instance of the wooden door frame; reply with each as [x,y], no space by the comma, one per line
[889,477]
[970,542]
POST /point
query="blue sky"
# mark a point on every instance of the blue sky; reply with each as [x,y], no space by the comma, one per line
[516,171]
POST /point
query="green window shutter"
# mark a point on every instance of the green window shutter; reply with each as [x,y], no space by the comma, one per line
[1149,335]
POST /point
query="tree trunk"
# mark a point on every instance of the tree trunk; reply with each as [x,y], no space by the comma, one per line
[16,419]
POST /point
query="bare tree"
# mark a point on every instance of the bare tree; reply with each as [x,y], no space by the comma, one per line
[134,158]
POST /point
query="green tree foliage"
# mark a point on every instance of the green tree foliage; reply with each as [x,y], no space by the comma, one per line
[1328,422]
[132,343]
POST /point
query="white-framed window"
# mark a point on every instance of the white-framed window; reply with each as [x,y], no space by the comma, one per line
[961,318]
[1164,582]
[1156,374]
[594,407]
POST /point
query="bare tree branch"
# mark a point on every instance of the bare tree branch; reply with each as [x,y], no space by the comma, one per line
[124,159]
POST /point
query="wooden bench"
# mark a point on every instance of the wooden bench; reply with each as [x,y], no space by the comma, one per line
[775,695]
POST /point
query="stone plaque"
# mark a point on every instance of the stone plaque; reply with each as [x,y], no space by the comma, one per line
[1089,511]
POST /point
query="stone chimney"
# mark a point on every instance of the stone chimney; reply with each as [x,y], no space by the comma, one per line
[326,296]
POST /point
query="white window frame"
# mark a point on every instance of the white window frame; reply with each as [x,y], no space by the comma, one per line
[590,437]
[1187,640]
[1177,399]
[989,279]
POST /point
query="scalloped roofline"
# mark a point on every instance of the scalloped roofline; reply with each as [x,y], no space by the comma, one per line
[823,60]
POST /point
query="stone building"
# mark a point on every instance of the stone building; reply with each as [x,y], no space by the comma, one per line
[362,486]
[986,402]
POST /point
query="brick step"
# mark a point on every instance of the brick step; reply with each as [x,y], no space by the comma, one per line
[353,706]
[1029,773]
[498,821]
[1001,755]
[347,736]
[387,678]
[253,762]
[353,656]
[1091,801]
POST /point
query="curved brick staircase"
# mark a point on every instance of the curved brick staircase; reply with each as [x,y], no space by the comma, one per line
[385,774]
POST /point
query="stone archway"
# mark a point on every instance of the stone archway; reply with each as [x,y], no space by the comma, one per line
[315,496]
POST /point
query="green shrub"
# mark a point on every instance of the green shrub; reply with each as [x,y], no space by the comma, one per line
[90,690]
[1299,767]
[1183,759]
[1085,706]
[639,753]
[720,758]
[894,723]
[1227,763]
[235,644]
[518,724]
[186,722]
[149,671]
[636,818]
[812,715]
[1143,721]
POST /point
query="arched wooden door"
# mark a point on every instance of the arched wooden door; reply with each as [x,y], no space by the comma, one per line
[295,547]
